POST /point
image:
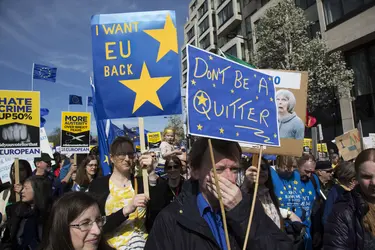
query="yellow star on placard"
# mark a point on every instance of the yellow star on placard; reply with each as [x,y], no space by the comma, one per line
[211,58]
[146,88]
[275,135]
[167,38]
[221,131]
[269,78]
[199,127]
[296,182]
[255,75]
[237,134]
[232,91]
[202,100]
[280,198]
[303,190]
[214,85]
[193,82]
[310,193]
[271,99]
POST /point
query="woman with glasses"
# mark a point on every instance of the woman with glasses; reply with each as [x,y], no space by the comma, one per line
[87,171]
[75,223]
[121,196]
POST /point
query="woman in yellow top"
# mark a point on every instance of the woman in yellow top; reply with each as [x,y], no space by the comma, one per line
[121,197]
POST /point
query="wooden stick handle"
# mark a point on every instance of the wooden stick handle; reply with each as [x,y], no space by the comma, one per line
[17,176]
[259,158]
[219,195]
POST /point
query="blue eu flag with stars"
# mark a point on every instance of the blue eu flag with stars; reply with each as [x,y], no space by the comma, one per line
[43,72]
[136,64]
[75,100]
[227,100]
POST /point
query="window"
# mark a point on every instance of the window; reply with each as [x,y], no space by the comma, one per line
[184,78]
[193,6]
[219,2]
[238,7]
[264,2]
[256,29]
[243,52]
[248,26]
[183,52]
[304,4]
[184,65]
[338,9]
[191,33]
[313,29]
[225,14]
[203,9]
[205,42]
[203,26]
[232,51]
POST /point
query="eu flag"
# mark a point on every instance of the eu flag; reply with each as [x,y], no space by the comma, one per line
[227,100]
[43,72]
[90,101]
[75,100]
[136,64]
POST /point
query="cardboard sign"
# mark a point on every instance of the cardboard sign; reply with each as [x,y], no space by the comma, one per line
[349,144]
[154,139]
[229,101]
[291,91]
[75,133]
[19,123]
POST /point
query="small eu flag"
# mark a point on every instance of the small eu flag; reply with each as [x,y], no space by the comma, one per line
[75,100]
[90,101]
[44,73]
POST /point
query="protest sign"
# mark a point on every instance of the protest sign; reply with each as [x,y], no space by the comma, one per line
[19,123]
[227,100]
[291,101]
[45,144]
[136,64]
[349,144]
[154,139]
[75,133]
[307,145]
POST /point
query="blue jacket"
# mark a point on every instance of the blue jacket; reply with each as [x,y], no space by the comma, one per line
[291,126]
[336,192]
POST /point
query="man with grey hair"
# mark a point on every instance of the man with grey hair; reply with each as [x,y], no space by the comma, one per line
[290,125]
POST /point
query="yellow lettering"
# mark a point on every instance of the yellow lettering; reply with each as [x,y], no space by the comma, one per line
[263,86]
[127,27]
[136,26]
[109,30]
[196,67]
[114,71]
[97,30]
[264,114]
[119,28]
[251,112]
[122,50]
[122,70]
[106,71]
[109,51]
[238,79]
[129,67]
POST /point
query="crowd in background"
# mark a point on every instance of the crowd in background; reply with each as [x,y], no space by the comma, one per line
[301,203]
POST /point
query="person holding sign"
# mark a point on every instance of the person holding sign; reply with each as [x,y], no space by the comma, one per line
[121,197]
[193,220]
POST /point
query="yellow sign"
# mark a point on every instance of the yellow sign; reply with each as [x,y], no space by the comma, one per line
[75,132]
[307,142]
[19,123]
[154,137]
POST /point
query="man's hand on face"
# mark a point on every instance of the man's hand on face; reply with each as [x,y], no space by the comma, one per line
[230,193]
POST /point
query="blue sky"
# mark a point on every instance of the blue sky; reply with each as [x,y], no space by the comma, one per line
[57,33]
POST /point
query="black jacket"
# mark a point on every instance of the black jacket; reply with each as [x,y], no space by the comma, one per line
[344,230]
[180,226]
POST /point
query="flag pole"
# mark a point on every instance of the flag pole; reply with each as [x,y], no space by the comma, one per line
[32,77]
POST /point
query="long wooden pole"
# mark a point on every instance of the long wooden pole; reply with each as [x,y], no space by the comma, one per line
[141,127]
[259,158]
[219,195]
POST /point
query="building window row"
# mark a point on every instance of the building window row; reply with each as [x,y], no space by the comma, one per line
[203,9]
[338,9]
[205,42]
[190,34]
[205,25]
[184,65]
[232,51]
[304,4]
[225,14]
[193,6]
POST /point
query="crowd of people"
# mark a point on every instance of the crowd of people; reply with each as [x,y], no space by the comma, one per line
[301,203]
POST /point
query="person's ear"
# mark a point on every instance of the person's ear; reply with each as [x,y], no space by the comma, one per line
[111,158]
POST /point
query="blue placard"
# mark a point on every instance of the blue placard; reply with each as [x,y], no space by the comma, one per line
[136,64]
[229,101]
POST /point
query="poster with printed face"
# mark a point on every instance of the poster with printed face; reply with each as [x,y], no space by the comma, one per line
[75,133]
[291,102]
[19,123]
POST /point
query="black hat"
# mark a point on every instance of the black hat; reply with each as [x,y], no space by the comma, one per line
[44,157]
[323,165]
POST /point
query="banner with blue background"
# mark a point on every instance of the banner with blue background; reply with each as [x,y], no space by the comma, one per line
[227,100]
[136,64]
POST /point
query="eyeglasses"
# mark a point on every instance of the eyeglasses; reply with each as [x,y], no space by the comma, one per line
[122,157]
[87,225]
[169,167]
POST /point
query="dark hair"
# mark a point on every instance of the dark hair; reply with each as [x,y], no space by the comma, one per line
[174,159]
[285,160]
[118,146]
[222,147]
[305,158]
[365,155]
[42,189]
[345,173]
[81,178]
[25,169]
[65,210]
